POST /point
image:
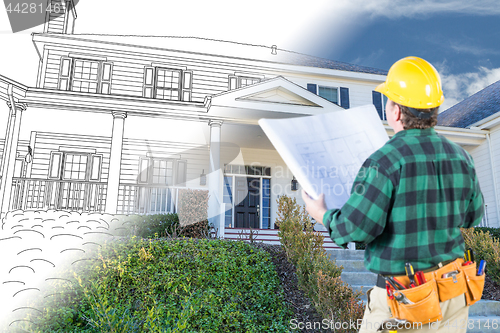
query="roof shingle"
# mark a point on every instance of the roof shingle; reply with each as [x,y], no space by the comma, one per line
[227,49]
[473,109]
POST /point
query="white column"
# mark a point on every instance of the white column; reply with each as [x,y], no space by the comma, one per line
[215,201]
[115,160]
[9,155]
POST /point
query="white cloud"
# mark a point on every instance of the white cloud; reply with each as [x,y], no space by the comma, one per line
[457,87]
[472,49]
[416,8]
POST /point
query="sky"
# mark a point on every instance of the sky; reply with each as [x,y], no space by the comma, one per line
[459,37]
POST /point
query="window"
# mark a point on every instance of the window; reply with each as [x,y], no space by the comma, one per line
[329,93]
[85,75]
[167,83]
[75,166]
[379,100]
[167,172]
[236,82]
[339,96]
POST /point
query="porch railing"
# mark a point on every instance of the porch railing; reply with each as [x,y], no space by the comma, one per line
[82,196]
[149,198]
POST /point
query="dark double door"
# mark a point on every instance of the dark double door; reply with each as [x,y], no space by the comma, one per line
[247,209]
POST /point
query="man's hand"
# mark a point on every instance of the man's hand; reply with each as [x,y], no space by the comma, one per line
[315,208]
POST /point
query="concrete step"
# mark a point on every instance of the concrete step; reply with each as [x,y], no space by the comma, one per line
[346,254]
[352,265]
[480,324]
[363,288]
[485,308]
[359,278]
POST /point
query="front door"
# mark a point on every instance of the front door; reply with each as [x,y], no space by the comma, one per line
[246,212]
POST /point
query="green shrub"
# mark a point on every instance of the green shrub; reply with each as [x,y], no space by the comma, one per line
[317,275]
[494,232]
[181,285]
[147,226]
[485,247]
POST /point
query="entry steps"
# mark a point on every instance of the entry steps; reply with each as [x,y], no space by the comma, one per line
[484,316]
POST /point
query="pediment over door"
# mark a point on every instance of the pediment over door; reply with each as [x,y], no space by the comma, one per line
[274,98]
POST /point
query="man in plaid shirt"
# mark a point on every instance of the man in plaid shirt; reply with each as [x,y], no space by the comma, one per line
[412,196]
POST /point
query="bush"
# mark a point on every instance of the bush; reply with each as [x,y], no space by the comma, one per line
[146,226]
[182,285]
[163,225]
[494,232]
[485,247]
[317,275]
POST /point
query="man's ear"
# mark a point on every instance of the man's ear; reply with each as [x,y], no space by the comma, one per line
[397,112]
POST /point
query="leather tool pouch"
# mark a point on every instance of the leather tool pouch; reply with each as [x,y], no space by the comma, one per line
[475,284]
[425,307]
[426,297]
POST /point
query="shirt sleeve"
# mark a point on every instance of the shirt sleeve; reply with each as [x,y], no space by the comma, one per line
[363,217]
[475,211]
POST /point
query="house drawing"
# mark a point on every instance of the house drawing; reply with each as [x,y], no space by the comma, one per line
[123,124]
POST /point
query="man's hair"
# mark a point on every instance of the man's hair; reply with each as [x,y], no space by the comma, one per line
[409,121]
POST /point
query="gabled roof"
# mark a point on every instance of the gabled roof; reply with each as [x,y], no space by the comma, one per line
[224,49]
[475,108]
[273,98]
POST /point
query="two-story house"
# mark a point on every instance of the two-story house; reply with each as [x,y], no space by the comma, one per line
[122,124]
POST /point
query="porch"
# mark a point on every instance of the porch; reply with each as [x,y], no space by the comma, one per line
[81,196]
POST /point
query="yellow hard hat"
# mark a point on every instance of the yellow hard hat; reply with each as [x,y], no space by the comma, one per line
[413,82]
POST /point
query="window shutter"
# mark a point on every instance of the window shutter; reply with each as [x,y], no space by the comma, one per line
[64,73]
[187,85]
[377,101]
[344,97]
[107,73]
[143,170]
[181,173]
[148,87]
[55,163]
[312,88]
[233,82]
[95,167]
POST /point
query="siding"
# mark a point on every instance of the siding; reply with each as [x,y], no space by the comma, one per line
[45,143]
[483,169]
[209,77]
[197,158]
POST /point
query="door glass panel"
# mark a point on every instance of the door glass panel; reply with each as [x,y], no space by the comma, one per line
[228,201]
[266,203]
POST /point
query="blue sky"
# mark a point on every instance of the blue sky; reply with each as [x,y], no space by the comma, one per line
[460,37]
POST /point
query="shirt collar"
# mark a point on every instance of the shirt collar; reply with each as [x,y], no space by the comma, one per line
[415,132]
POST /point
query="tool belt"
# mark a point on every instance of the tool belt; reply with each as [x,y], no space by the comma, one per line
[424,299]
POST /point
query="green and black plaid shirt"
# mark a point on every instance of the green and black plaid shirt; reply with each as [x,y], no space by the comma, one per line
[408,202]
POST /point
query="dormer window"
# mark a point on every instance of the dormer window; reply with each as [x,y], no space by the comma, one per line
[168,83]
[85,74]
